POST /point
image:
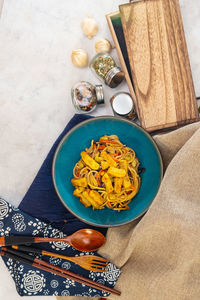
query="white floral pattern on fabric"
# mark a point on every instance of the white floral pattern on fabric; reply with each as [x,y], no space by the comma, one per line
[55,261]
[18,221]
[66,265]
[20,269]
[10,264]
[101,281]
[46,292]
[85,294]
[54,284]
[33,282]
[92,291]
[65,293]
[4,231]
[85,253]
[3,209]
[69,283]
[37,226]
[55,293]
[112,274]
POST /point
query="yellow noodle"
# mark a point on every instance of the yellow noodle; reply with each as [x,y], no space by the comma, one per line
[118,152]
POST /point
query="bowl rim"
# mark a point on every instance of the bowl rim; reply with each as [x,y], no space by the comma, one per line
[89,121]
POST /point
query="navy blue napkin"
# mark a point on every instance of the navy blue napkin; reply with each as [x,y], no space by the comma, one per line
[41,213]
[41,200]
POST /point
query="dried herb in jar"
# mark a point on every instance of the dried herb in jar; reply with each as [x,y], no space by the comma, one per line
[104,66]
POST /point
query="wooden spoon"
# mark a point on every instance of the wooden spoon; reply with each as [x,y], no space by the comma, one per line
[82,240]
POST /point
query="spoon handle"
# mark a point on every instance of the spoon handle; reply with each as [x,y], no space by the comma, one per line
[47,240]
[19,240]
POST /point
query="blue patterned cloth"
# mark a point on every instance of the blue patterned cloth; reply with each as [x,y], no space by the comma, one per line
[41,214]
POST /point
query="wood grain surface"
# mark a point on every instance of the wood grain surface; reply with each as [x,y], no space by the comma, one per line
[159,62]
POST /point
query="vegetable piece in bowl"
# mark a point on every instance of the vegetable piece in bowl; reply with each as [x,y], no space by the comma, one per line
[106,175]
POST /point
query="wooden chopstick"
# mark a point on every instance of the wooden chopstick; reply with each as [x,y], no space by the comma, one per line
[40,264]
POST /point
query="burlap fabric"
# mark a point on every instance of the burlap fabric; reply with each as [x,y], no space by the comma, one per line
[159,255]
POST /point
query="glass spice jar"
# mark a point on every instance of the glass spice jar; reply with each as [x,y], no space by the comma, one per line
[85,96]
[123,106]
[104,66]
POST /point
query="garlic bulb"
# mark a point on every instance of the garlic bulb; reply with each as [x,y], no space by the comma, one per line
[79,58]
[103,45]
[89,27]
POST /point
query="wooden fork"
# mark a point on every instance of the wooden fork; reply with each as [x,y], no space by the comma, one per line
[88,262]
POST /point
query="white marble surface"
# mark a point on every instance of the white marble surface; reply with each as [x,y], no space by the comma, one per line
[36,75]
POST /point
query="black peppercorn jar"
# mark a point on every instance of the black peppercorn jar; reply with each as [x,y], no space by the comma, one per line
[85,96]
[104,66]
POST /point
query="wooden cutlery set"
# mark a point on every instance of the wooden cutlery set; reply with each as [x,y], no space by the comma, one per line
[15,247]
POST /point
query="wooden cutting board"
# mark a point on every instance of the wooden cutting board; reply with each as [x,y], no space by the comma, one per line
[159,63]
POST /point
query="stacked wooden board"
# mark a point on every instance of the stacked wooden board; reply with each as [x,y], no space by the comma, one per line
[150,41]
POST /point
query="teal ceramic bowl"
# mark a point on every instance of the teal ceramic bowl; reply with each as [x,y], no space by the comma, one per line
[79,138]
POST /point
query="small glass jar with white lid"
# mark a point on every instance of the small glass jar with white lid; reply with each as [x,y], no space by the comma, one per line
[123,106]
